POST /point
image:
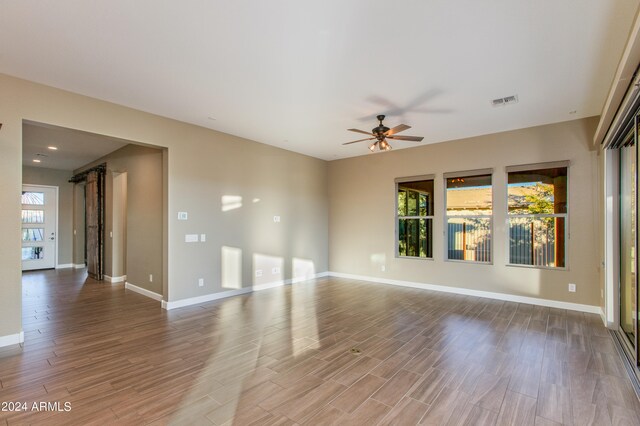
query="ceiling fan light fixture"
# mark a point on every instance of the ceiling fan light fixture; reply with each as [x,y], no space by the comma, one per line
[380,133]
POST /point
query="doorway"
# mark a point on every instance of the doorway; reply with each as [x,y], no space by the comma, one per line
[39,227]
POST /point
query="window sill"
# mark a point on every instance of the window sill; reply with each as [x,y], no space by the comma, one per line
[413,257]
[548,268]
[472,262]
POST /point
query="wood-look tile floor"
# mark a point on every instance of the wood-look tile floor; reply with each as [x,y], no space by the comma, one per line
[283,356]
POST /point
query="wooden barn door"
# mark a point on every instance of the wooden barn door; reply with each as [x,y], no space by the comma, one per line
[94,211]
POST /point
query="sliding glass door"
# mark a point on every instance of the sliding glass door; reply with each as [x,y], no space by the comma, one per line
[628,161]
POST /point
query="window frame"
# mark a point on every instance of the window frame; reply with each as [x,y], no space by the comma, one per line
[398,181]
[567,233]
[461,174]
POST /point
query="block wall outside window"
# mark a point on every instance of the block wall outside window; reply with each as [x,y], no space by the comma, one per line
[469,217]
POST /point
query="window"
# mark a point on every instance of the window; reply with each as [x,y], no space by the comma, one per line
[537,216]
[33,198]
[415,217]
[32,216]
[469,216]
[32,234]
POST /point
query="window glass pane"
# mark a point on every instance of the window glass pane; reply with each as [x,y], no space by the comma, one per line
[32,253]
[415,198]
[32,234]
[33,198]
[537,241]
[415,237]
[32,216]
[469,195]
[469,238]
[541,191]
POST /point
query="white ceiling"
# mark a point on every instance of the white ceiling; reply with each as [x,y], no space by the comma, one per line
[297,74]
[75,148]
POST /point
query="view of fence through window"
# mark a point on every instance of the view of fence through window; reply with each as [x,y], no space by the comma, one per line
[469,216]
[537,217]
[415,219]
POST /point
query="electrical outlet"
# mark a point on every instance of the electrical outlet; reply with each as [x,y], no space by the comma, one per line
[258,272]
[572,288]
[275,270]
[200,282]
[150,278]
[276,219]
[203,238]
[383,268]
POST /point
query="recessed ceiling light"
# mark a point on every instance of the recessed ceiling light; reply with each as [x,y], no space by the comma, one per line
[53,148]
[35,160]
[211,118]
[573,112]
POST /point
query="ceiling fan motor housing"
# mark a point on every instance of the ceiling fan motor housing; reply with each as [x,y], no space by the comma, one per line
[380,131]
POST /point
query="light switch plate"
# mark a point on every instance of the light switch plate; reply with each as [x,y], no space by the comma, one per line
[183,215]
[191,238]
[258,272]
[203,238]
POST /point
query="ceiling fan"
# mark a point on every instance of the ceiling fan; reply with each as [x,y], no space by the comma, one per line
[382,133]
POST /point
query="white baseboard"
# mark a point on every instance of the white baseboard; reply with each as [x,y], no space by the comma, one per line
[478,293]
[280,283]
[143,291]
[230,293]
[64,266]
[12,339]
[115,280]
[202,299]
[79,265]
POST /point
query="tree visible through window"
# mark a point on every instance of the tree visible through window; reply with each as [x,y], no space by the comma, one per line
[537,217]
[415,218]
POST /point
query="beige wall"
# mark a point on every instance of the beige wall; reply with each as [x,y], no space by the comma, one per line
[362,212]
[202,167]
[59,178]
[144,214]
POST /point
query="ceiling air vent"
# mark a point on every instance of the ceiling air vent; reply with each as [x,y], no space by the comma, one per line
[508,100]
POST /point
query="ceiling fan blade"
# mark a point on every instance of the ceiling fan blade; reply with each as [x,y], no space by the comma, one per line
[407,138]
[359,140]
[397,129]
[360,131]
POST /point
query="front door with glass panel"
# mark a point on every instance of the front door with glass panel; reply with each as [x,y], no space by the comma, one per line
[39,210]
